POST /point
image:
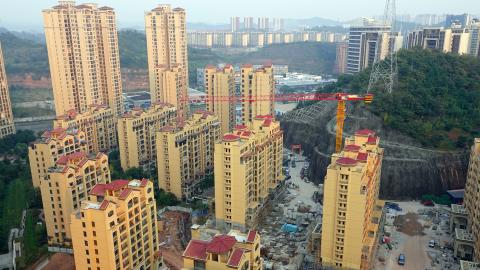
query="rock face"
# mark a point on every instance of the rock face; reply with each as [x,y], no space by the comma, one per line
[408,170]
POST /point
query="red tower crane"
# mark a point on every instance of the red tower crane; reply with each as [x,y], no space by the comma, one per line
[341,99]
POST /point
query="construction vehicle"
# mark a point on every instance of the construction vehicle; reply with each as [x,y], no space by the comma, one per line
[341,99]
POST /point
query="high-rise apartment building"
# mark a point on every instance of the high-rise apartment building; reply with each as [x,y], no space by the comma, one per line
[167,49]
[220,87]
[474,46]
[53,144]
[456,40]
[341,58]
[82,44]
[263,23]
[185,153]
[136,134]
[235,250]
[258,90]
[169,86]
[235,24]
[117,227]
[248,167]
[278,24]
[63,189]
[248,23]
[351,209]
[364,42]
[463,20]
[6,116]
[99,124]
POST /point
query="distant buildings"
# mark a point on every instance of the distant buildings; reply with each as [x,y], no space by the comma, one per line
[257,39]
[463,20]
[248,167]
[351,209]
[263,23]
[341,58]
[248,23]
[82,43]
[6,116]
[167,56]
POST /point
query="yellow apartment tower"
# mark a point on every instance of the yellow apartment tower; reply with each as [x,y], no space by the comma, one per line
[185,153]
[167,52]
[136,135]
[6,116]
[235,250]
[351,209]
[53,144]
[65,186]
[82,45]
[248,166]
[472,198]
[220,88]
[117,227]
[258,90]
[169,86]
[99,124]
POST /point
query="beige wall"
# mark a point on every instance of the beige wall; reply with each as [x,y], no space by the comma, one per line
[472,196]
[258,89]
[6,115]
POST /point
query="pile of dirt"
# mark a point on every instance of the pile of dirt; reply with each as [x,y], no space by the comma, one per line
[408,224]
[61,261]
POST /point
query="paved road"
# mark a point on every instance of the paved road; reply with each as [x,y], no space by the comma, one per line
[414,250]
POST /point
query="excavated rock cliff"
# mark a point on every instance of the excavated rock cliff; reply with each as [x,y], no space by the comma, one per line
[408,171]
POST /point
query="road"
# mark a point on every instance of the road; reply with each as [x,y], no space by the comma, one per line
[416,257]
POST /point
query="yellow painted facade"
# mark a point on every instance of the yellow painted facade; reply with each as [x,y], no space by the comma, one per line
[258,90]
[235,250]
[54,143]
[6,116]
[82,43]
[136,134]
[99,124]
[472,197]
[219,85]
[248,166]
[351,209]
[166,35]
[170,88]
[185,152]
[117,227]
[64,187]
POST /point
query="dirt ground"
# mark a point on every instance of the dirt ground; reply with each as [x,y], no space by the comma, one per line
[60,261]
[409,224]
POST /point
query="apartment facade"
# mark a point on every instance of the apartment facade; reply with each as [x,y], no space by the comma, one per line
[220,89]
[137,132]
[185,153]
[99,124]
[63,189]
[352,211]
[169,86]
[53,144]
[6,116]
[167,47]
[472,197]
[82,43]
[341,58]
[258,90]
[235,250]
[117,227]
[248,167]
[456,39]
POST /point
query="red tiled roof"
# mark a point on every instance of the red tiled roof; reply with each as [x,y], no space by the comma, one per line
[267,122]
[197,250]
[251,236]
[56,132]
[372,140]
[241,127]
[63,160]
[246,133]
[247,65]
[221,244]
[352,148]
[267,116]
[144,182]
[362,157]
[236,257]
[104,205]
[364,132]
[99,189]
[345,161]
[125,193]
[230,137]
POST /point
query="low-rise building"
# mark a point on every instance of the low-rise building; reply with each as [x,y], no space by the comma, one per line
[43,153]
[116,228]
[99,124]
[136,134]
[185,153]
[63,189]
[351,209]
[248,167]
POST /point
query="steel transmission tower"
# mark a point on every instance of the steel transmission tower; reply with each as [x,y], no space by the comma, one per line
[385,72]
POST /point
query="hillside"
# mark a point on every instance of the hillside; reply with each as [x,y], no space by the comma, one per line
[436,100]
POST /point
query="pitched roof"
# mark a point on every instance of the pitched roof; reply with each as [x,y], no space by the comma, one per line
[345,161]
[251,236]
[364,132]
[99,189]
[362,157]
[372,140]
[221,244]
[230,137]
[236,257]
[196,249]
[352,148]
[77,156]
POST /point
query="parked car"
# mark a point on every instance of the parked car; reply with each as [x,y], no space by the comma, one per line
[401,259]
[393,206]
[431,243]
[428,203]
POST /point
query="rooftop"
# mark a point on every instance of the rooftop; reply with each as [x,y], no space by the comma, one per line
[458,209]
[456,193]
[347,162]
[465,265]
[236,257]
[221,244]
[463,235]
[365,133]
[100,189]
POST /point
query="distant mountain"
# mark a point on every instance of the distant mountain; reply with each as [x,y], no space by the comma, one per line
[296,24]
[32,36]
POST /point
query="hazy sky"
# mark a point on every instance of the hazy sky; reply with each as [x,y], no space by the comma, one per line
[130,12]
